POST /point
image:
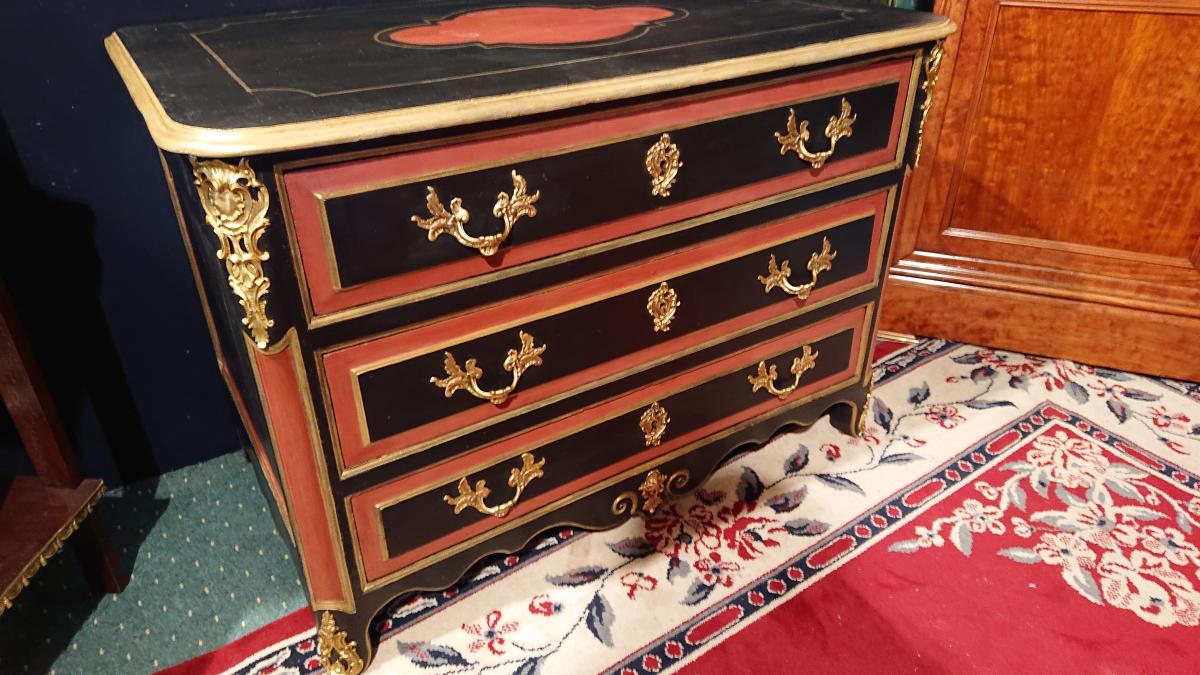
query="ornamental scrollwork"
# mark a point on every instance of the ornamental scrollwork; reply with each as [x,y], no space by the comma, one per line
[235,207]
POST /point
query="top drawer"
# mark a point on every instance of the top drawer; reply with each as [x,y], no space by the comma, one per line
[380,232]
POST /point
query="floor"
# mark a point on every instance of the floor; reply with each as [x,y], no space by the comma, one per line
[208,565]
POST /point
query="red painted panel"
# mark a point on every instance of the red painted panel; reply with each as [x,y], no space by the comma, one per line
[545,25]
[365,517]
[301,469]
[340,366]
[305,186]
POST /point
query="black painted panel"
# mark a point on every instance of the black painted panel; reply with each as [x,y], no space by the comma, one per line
[304,66]
[503,290]
[425,517]
[400,397]
[374,238]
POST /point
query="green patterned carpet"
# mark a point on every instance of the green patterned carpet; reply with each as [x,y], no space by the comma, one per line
[208,566]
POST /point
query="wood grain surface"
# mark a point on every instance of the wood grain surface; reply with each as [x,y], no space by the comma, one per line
[1064,175]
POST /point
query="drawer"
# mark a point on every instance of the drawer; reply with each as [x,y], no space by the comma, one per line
[403,525]
[380,232]
[409,392]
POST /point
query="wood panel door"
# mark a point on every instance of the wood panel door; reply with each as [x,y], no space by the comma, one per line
[1057,208]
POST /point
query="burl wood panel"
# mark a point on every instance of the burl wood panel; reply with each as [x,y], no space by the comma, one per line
[1061,168]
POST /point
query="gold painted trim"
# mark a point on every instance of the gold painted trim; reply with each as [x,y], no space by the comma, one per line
[338,654]
[599,486]
[518,128]
[897,337]
[181,138]
[290,343]
[53,546]
[501,416]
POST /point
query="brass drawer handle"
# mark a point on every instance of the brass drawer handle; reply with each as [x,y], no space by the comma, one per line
[663,163]
[839,127]
[777,276]
[453,222]
[662,305]
[467,379]
[654,424]
[765,379]
[472,497]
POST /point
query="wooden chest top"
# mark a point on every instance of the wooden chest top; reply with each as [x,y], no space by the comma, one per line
[305,79]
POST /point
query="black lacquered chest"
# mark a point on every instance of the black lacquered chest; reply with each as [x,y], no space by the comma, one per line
[476,270]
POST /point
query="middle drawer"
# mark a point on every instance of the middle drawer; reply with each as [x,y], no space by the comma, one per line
[437,384]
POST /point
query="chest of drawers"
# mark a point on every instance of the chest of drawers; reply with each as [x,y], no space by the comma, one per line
[474,271]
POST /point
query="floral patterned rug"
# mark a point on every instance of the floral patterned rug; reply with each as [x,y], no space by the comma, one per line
[1003,512]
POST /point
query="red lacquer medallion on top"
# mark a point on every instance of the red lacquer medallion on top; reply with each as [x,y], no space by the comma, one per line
[544,26]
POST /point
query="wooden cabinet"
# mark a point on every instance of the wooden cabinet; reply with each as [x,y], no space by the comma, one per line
[465,294]
[1061,186]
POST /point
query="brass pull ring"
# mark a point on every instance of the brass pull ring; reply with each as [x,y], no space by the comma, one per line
[777,275]
[453,222]
[840,126]
[765,378]
[472,497]
[467,378]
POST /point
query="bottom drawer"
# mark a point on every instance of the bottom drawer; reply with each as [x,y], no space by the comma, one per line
[412,522]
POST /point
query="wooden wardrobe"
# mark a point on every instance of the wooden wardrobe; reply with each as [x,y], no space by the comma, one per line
[1056,208]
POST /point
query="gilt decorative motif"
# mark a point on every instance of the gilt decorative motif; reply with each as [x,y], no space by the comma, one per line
[777,275]
[653,424]
[453,221]
[765,377]
[338,655]
[469,497]
[932,67]
[662,305]
[663,164]
[652,488]
[235,207]
[466,377]
[840,126]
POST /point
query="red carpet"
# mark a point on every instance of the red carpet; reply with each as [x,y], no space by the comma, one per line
[1005,513]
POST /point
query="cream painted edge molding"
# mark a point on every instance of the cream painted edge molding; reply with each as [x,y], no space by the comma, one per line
[176,137]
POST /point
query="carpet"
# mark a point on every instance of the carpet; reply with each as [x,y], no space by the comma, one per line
[1003,512]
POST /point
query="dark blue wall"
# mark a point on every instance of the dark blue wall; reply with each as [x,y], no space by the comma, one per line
[91,251]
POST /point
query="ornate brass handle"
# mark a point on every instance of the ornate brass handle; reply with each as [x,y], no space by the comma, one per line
[472,497]
[453,222]
[663,163]
[467,378]
[765,378]
[839,127]
[777,275]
